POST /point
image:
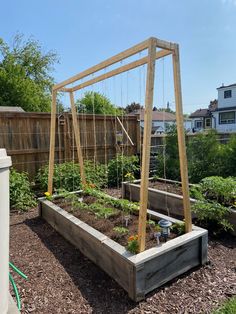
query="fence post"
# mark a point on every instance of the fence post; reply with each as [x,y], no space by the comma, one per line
[5,163]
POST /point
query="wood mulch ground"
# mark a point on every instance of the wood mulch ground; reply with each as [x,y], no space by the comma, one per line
[62,280]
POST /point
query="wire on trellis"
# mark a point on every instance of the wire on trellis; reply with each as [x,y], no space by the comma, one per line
[164,135]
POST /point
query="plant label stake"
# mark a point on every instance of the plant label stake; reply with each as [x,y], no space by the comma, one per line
[157,236]
[127,218]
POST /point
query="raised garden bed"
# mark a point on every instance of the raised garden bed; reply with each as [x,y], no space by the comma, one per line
[139,273]
[165,196]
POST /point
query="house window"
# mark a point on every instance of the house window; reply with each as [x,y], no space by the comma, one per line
[198,124]
[228,93]
[208,122]
[227,117]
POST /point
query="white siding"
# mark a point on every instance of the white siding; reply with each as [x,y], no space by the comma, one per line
[226,102]
[227,128]
[164,124]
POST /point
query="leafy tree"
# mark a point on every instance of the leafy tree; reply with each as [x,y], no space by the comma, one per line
[133,107]
[25,78]
[97,103]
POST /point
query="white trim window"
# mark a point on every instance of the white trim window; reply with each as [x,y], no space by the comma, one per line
[198,124]
[227,117]
[228,93]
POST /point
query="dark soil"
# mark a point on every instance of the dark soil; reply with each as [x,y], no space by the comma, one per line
[62,280]
[106,225]
[167,187]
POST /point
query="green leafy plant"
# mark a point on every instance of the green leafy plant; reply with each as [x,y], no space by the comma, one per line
[120,166]
[229,307]
[151,223]
[178,228]
[121,230]
[212,215]
[101,210]
[133,245]
[222,190]
[121,204]
[157,228]
[195,192]
[21,196]
[67,176]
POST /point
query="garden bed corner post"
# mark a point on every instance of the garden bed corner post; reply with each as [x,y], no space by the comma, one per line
[146,142]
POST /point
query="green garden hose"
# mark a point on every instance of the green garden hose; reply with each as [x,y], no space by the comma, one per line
[14,285]
[17,270]
[15,291]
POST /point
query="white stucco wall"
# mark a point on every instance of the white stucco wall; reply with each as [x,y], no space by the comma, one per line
[226,102]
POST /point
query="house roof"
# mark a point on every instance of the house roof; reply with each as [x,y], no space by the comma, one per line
[227,86]
[11,109]
[200,113]
[156,115]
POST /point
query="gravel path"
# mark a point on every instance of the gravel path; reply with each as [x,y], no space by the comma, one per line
[62,280]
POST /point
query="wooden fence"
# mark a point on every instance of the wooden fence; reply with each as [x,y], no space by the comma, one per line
[26,137]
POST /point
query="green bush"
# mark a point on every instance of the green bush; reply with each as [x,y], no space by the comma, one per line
[229,158]
[121,166]
[203,152]
[168,159]
[67,176]
[215,196]
[222,190]
[206,156]
[21,196]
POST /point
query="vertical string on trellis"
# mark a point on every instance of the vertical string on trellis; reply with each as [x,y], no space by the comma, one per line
[181,139]
[52,143]
[77,139]
[146,143]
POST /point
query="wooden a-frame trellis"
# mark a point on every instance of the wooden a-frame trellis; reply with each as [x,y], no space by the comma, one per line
[152,44]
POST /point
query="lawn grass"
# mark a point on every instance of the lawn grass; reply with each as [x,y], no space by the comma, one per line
[229,307]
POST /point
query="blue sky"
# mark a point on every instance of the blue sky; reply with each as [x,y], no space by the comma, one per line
[84,33]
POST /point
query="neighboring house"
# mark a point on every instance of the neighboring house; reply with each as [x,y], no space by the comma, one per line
[201,119]
[161,120]
[224,116]
[221,113]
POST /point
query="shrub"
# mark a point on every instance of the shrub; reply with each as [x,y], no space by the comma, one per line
[67,176]
[222,190]
[212,216]
[204,160]
[168,160]
[229,157]
[120,167]
[215,196]
[21,196]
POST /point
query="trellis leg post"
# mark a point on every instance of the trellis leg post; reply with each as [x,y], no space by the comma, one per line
[146,143]
[77,139]
[52,143]
[181,140]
